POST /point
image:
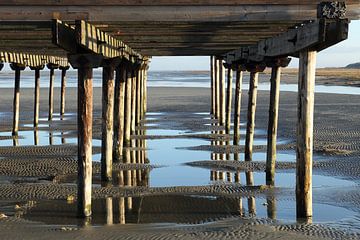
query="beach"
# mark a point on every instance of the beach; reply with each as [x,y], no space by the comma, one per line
[37,185]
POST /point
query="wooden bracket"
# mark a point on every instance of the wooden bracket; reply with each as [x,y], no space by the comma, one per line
[17,66]
[52,66]
[85,60]
[41,67]
[255,67]
[277,62]
[64,68]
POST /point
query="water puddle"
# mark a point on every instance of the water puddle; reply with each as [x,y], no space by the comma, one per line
[172,154]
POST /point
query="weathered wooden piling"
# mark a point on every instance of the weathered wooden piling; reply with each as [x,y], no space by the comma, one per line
[250,125]
[145,88]
[52,68]
[16,103]
[217,88]
[238,92]
[107,119]
[138,96]
[254,70]
[37,94]
[127,117]
[212,84]
[305,121]
[133,100]
[63,90]
[276,66]
[85,64]
[229,100]
[222,94]
[119,111]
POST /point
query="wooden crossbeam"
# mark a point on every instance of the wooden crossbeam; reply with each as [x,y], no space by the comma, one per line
[316,35]
[32,60]
[86,38]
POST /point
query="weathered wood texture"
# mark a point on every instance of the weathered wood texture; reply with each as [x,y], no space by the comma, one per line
[212,84]
[238,92]
[128,96]
[133,100]
[138,96]
[85,117]
[31,60]
[229,100]
[51,92]
[222,93]
[272,125]
[304,149]
[315,35]
[107,122]
[119,112]
[63,90]
[37,97]
[16,102]
[250,125]
[217,88]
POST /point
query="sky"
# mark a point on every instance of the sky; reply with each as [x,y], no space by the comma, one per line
[340,55]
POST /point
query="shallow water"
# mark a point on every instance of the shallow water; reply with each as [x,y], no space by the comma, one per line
[171,154]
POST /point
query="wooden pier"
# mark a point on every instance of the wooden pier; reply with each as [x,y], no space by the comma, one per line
[122,36]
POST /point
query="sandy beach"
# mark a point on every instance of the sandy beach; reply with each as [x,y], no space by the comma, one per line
[38,183]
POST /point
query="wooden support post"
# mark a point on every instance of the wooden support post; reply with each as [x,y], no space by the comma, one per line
[217,88]
[145,88]
[63,89]
[52,68]
[272,125]
[16,104]
[85,64]
[229,100]
[250,125]
[222,93]
[138,96]
[143,99]
[276,66]
[212,78]
[304,148]
[127,117]
[37,94]
[133,101]
[107,119]
[119,111]
[238,91]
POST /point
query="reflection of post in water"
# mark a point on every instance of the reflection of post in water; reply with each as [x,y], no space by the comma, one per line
[63,139]
[251,200]
[51,138]
[109,211]
[121,183]
[237,180]
[36,137]
[271,207]
[15,141]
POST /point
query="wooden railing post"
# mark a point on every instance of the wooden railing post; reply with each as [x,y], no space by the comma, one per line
[85,64]
[16,104]
[304,148]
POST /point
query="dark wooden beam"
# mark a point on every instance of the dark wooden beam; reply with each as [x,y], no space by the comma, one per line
[315,35]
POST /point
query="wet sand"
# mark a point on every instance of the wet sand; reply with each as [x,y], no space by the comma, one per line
[30,175]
